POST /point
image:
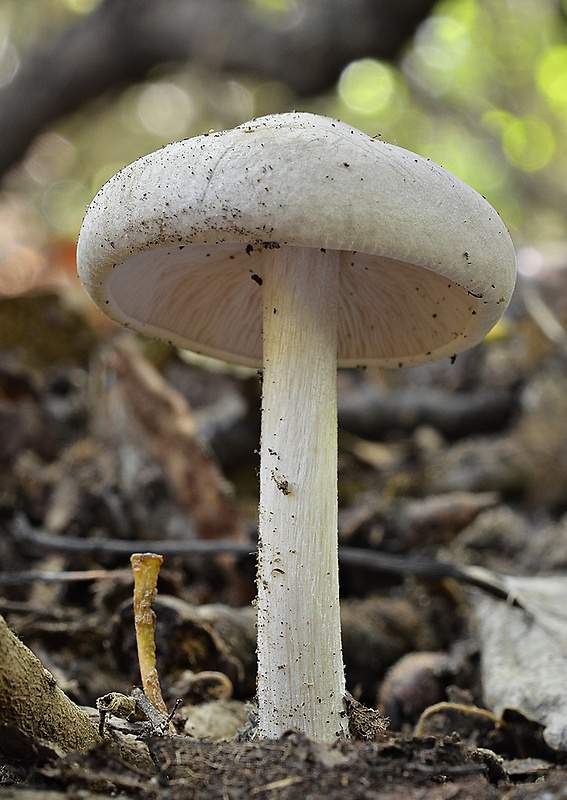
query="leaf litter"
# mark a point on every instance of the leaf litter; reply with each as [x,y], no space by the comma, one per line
[91,462]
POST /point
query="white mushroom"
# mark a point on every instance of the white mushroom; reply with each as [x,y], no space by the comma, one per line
[295,243]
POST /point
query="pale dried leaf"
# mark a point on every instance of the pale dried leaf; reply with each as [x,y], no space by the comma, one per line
[524,652]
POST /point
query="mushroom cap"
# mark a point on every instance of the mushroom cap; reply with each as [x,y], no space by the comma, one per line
[176,245]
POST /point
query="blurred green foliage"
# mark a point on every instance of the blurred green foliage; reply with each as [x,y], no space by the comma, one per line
[482,90]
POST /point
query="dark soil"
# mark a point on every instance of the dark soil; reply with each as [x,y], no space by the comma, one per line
[398,768]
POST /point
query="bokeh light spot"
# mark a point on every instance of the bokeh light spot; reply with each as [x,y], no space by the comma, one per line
[63,204]
[551,78]
[528,143]
[367,86]
[82,6]
[166,110]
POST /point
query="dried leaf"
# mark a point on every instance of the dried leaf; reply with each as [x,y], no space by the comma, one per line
[524,653]
[144,413]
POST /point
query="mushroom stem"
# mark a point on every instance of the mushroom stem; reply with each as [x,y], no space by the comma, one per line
[300,667]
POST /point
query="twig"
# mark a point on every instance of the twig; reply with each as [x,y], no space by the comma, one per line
[134,707]
[69,576]
[488,581]
[22,531]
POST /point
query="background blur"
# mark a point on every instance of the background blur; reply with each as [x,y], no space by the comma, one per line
[480,86]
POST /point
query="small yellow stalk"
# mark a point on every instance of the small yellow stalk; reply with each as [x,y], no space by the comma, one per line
[145,567]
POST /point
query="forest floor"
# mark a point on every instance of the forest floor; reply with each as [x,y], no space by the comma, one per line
[111,445]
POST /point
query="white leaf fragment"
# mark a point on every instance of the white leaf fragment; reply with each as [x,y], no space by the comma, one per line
[524,653]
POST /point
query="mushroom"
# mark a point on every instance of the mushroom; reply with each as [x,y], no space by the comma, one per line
[295,243]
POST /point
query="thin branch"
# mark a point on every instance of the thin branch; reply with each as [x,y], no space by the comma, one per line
[431,569]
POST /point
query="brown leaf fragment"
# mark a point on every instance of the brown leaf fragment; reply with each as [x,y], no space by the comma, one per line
[440,517]
[401,524]
[151,429]
[365,724]
[143,411]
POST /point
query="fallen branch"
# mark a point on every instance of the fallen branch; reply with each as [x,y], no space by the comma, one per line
[37,717]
